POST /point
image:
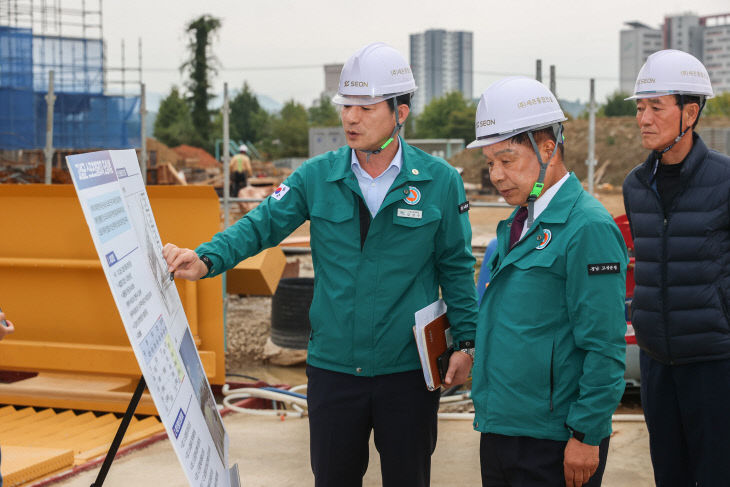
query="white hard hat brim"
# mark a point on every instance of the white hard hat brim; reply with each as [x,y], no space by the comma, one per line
[494,139]
[657,94]
[489,140]
[362,100]
[359,100]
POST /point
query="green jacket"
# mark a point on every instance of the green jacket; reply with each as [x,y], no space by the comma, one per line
[550,346]
[362,313]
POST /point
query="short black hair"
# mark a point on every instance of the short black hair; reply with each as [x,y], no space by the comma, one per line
[687,100]
[539,135]
[404,99]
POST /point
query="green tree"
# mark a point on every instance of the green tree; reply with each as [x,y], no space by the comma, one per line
[199,66]
[247,118]
[450,116]
[617,106]
[323,113]
[174,125]
[719,105]
[290,131]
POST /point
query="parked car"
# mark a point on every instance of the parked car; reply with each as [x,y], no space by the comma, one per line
[632,374]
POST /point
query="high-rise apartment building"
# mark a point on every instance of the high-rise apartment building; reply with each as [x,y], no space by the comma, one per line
[332,79]
[442,62]
[716,50]
[638,42]
[705,37]
[683,32]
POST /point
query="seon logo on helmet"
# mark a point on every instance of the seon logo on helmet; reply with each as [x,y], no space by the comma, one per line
[375,73]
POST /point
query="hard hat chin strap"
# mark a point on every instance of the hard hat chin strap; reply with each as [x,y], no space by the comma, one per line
[540,183]
[659,154]
[397,127]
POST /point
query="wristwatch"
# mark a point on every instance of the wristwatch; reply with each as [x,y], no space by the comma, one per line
[208,263]
[467,347]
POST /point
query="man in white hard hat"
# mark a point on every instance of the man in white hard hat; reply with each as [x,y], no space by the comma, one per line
[550,349]
[678,205]
[389,229]
[241,170]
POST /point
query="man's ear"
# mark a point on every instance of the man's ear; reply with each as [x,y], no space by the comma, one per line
[690,113]
[546,149]
[403,111]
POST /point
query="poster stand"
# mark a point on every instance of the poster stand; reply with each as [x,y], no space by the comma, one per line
[141,385]
[120,433]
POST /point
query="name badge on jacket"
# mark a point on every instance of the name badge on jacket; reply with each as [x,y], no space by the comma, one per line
[409,213]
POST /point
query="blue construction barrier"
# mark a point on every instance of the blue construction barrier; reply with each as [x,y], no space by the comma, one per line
[84,117]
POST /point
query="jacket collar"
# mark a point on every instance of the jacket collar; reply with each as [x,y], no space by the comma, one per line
[557,212]
[412,170]
[647,170]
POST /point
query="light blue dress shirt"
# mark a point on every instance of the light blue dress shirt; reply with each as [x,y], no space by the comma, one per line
[375,189]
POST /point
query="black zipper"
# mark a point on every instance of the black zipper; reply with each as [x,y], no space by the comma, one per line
[552,375]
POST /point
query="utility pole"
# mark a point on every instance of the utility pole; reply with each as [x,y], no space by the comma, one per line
[143,130]
[591,161]
[538,70]
[143,116]
[552,81]
[226,158]
[48,151]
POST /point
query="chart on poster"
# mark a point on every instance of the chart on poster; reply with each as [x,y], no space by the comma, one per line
[114,200]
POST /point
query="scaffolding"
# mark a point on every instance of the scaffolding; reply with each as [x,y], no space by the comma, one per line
[66,37]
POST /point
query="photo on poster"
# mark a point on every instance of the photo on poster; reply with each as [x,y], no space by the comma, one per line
[203,393]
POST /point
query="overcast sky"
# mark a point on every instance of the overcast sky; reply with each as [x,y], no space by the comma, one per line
[280,46]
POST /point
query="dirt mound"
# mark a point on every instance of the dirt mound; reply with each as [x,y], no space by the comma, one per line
[618,149]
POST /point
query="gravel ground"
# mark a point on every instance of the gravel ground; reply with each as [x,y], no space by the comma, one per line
[249,324]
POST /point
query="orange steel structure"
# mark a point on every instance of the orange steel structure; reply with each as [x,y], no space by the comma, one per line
[68,329]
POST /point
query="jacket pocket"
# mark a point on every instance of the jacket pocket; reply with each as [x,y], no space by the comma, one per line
[536,259]
[332,212]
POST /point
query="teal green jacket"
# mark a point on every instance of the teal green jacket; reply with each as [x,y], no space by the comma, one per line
[550,345]
[362,313]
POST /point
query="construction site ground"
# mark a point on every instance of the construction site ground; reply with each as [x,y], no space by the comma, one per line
[275,453]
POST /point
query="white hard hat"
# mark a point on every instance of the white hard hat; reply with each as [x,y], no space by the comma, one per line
[514,105]
[242,148]
[375,73]
[672,72]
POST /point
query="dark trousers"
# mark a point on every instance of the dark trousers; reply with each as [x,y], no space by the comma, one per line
[343,409]
[687,411]
[520,461]
[238,181]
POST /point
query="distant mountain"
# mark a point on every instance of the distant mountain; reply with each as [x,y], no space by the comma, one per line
[269,104]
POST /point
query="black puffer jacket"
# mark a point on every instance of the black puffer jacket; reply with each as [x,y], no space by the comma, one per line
[680,307]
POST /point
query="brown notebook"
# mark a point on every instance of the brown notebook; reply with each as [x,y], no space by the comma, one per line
[433,338]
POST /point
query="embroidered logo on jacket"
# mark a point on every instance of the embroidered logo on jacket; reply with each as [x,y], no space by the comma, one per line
[414,196]
[544,239]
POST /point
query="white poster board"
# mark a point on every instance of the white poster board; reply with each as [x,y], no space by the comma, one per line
[113,197]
